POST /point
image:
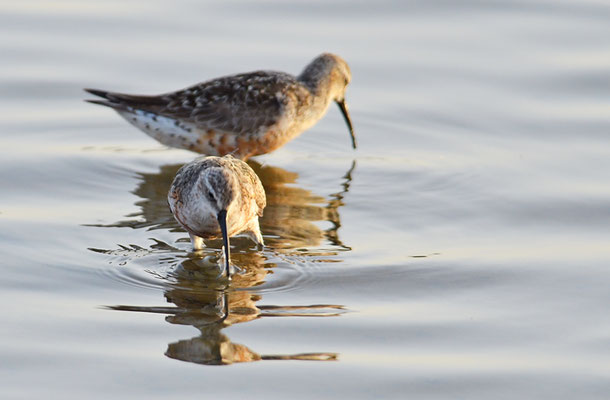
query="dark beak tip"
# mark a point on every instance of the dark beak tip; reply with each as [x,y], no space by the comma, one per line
[348,120]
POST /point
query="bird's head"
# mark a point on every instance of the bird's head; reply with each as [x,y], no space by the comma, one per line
[330,73]
[218,187]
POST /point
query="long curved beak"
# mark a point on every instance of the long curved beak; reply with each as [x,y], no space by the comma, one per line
[222,221]
[348,120]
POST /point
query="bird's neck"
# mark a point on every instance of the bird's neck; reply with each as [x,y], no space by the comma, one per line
[316,80]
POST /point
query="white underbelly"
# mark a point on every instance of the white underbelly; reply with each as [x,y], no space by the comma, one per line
[168,131]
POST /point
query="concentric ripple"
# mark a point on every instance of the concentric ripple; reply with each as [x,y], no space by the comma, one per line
[161,266]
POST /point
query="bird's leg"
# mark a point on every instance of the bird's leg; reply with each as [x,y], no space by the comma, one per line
[254,233]
[197,242]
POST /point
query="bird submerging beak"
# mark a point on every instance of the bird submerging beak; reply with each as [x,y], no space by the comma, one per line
[205,190]
[343,106]
[222,221]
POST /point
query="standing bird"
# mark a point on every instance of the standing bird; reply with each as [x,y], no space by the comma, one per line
[218,196]
[244,115]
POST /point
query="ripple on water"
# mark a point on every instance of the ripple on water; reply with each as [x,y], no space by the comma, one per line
[162,267]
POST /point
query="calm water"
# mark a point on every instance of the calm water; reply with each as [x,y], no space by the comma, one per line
[461,252]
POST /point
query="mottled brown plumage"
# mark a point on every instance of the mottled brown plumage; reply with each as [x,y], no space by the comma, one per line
[217,196]
[244,115]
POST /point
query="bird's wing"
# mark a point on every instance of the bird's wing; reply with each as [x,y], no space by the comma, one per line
[250,182]
[235,104]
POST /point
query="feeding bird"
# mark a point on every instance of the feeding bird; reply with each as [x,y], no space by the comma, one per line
[215,197]
[244,115]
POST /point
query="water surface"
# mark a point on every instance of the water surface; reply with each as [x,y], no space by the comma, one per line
[460,252]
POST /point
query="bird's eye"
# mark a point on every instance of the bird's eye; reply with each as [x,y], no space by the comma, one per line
[210,196]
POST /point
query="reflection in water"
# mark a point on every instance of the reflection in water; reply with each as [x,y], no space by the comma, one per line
[291,210]
[208,304]
[190,281]
[287,220]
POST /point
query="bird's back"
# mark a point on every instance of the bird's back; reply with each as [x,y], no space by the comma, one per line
[238,104]
[250,184]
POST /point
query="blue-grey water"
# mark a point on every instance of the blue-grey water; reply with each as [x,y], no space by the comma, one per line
[461,252]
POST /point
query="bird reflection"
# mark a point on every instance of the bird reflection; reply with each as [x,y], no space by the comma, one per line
[291,210]
[287,222]
[206,303]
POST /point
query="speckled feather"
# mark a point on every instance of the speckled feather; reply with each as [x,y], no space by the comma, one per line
[244,115]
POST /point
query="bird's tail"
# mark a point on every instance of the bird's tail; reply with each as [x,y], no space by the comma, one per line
[104,94]
[121,100]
